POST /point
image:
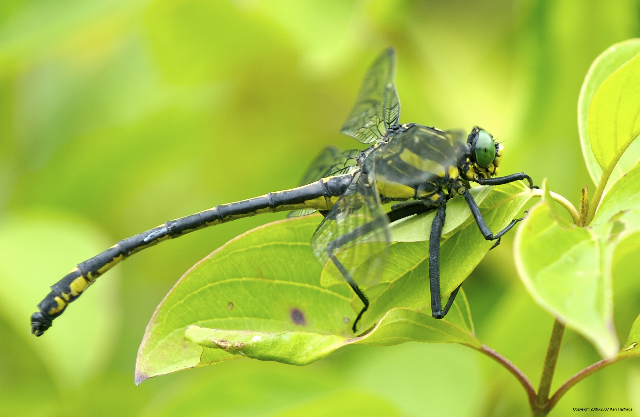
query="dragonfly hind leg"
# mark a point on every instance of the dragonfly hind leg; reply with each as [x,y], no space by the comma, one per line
[399,211]
[343,240]
[409,208]
[434,265]
[350,281]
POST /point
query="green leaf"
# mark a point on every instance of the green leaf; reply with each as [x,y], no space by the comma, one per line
[293,348]
[623,195]
[603,67]
[564,268]
[265,280]
[268,282]
[617,223]
[403,325]
[632,347]
[301,348]
[613,121]
[405,282]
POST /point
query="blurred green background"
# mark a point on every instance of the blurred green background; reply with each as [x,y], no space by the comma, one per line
[116,116]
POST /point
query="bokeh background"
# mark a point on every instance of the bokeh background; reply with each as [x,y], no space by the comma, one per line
[116,116]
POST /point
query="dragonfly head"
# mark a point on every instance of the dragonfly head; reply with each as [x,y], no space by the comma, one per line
[485,154]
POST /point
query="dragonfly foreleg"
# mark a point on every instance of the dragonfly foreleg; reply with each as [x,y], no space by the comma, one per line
[507,179]
[488,235]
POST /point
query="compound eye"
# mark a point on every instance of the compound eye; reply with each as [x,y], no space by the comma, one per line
[485,149]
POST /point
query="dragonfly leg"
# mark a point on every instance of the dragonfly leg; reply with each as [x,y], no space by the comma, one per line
[506,180]
[399,211]
[350,281]
[415,207]
[409,208]
[343,240]
[450,302]
[488,235]
[406,209]
[434,262]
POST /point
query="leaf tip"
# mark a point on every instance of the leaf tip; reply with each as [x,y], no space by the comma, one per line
[139,377]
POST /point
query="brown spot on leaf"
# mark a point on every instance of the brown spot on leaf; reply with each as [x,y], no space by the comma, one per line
[346,320]
[230,305]
[297,317]
[222,344]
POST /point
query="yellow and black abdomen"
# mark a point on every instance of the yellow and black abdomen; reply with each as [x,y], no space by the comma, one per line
[320,195]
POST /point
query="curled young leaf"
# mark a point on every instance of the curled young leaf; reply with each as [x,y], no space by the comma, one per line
[301,348]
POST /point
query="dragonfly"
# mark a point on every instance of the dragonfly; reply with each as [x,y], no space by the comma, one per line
[416,167]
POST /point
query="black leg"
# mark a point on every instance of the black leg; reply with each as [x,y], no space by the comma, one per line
[343,240]
[414,207]
[434,261]
[505,180]
[488,235]
[409,208]
[352,283]
[450,302]
[399,211]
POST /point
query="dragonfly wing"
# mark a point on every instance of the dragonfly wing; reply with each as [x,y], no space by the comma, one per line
[301,213]
[330,161]
[356,231]
[417,155]
[377,107]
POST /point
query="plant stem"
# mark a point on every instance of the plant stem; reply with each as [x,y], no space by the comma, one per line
[584,205]
[585,373]
[595,201]
[563,202]
[524,381]
[549,368]
[579,377]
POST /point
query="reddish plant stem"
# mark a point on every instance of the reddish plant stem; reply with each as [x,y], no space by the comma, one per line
[515,371]
[585,373]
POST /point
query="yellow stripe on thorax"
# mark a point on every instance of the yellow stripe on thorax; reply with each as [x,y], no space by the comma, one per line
[425,165]
[392,189]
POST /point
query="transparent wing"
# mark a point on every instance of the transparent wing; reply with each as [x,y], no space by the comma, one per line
[356,232]
[330,161]
[417,155]
[378,106]
[301,212]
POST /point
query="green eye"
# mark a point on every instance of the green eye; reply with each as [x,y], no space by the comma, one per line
[485,149]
